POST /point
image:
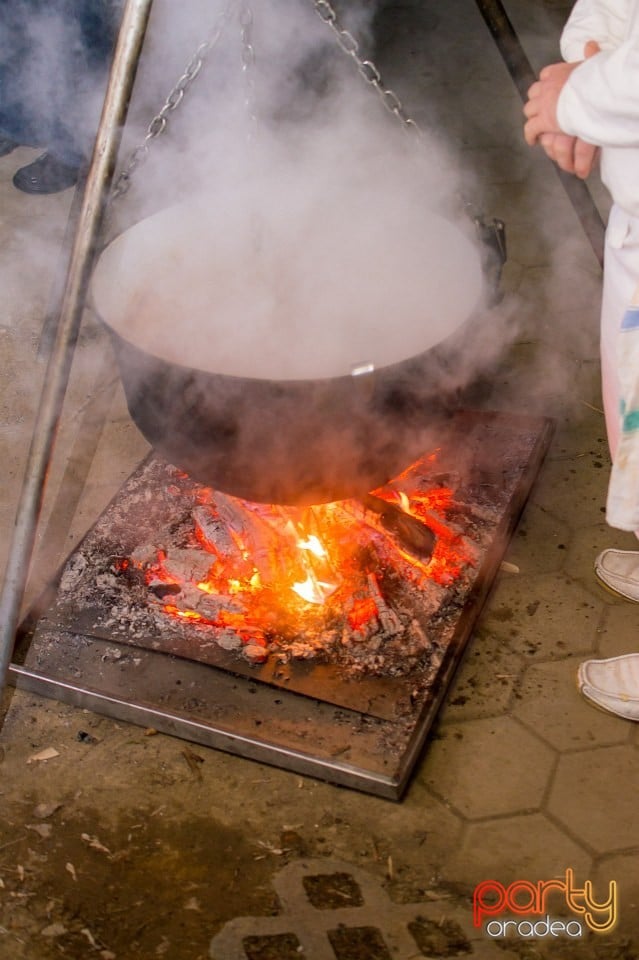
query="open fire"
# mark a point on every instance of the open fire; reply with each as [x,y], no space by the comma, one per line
[359,583]
[319,639]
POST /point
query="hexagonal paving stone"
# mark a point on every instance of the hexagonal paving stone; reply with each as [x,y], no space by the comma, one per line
[483,684]
[586,435]
[583,549]
[555,489]
[487,768]
[618,630]
[546,550]
[543,616]
[549,703]
[528,847]
[594,793]
[434,829]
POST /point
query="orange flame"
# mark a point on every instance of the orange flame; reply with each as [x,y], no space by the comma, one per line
[313,589]
[311,555]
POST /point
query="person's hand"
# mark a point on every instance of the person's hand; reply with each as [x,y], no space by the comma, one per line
[570,153]
[590,49]
[540,109]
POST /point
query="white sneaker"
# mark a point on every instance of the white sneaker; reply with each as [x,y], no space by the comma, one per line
[619,570]
[612,684]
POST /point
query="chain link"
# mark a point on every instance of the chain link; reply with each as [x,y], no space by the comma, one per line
[366,68]
[491,235]
[248,64]
[159,123]
[345,40]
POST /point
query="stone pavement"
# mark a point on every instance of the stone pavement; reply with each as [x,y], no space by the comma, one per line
[122,846]
[333,911]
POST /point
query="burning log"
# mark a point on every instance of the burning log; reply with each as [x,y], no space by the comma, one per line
[334,581]
[216,537]
[389,621]
[238,534]
[413,534]
[417,641]
[184,566]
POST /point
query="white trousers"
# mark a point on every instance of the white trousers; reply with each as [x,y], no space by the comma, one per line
[621,278]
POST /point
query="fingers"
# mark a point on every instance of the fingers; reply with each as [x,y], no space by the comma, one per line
[560,148]
[543,95]
[538,112]
[546,73]
[585,157]
[533,92]
[557,73]
[570,153]
[541,124]
[533,130]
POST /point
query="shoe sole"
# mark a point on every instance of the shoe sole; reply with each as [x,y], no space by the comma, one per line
[614,592]
[598,706]
[591,703]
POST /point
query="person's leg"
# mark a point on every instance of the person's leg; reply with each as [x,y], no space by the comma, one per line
[88,29]
[71,41]
[613,684]
[621,277]
[18,125]
[617,569]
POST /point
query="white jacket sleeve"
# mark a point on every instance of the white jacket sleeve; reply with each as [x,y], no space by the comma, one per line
[602,20]
[600,100]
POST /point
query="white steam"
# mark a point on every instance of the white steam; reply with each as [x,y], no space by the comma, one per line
[302,270]
[306,232]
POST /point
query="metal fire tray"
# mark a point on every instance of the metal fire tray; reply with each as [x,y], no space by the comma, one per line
[357,730]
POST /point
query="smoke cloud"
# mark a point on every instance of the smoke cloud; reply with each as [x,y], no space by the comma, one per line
[54,58]
[285,226]
[308,232]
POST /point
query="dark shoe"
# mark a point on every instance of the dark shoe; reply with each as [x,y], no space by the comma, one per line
[45,175]
[7,145]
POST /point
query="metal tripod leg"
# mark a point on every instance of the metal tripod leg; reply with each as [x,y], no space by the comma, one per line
[100,174]
[523,77]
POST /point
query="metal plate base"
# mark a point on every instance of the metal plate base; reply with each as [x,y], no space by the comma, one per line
[237,714]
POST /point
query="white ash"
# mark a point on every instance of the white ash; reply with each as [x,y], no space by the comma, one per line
[228,640]
[187,565]
[72,573]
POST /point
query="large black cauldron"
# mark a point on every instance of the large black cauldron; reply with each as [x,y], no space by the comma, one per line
[232,374]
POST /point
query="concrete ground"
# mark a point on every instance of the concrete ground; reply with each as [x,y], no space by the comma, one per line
[124,846]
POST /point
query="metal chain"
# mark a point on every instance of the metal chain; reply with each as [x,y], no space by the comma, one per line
[366,68]
[345,40]
[492,235]
[159,123]
[248,63]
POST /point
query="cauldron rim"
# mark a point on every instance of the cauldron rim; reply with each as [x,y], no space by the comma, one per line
[116,324]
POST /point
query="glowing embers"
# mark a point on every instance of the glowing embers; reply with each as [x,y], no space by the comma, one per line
[349,687]
[339,581]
